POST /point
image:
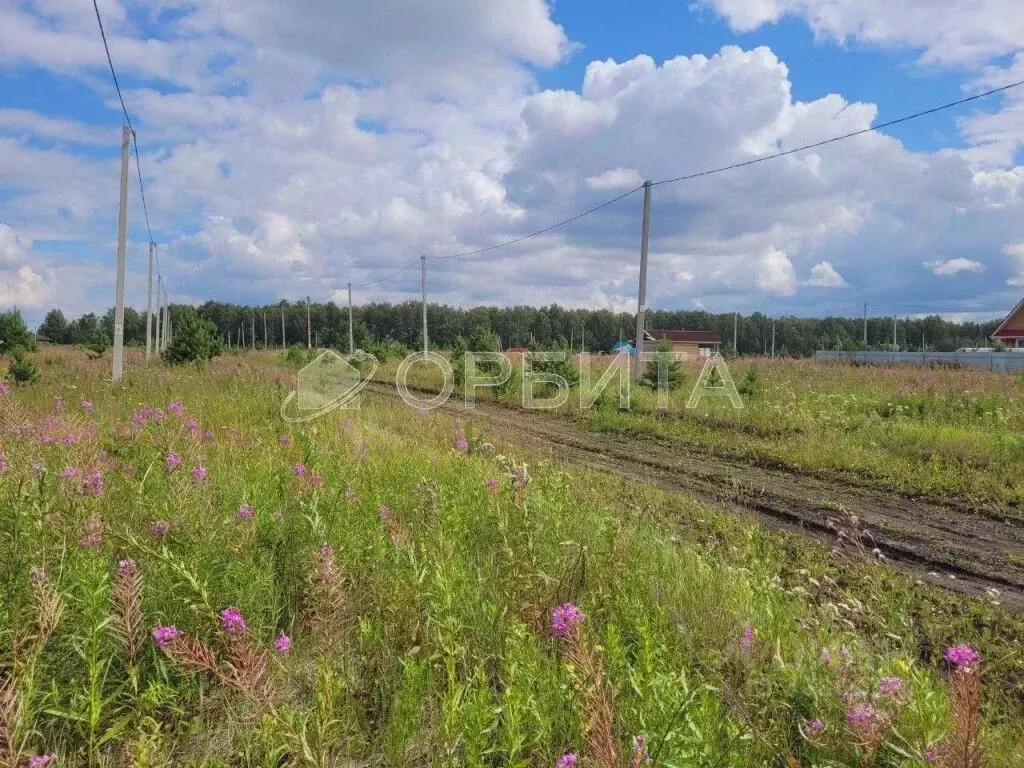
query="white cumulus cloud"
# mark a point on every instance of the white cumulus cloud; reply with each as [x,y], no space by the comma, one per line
[954,266]
[824,275]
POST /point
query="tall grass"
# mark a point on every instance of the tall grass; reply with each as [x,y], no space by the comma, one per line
[370,589]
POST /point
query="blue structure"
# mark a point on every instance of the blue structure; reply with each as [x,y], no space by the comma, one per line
[624,345]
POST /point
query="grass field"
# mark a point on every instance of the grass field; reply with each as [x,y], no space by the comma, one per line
[191,581]
[932,431]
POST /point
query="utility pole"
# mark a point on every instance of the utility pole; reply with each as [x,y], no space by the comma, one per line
[865,323]
[641,302]
[735,332]
[309,327]
[283,344]
[266,337]
[159,314]
[423,286]
[122,236]
[773,337]
[351,333]
[149,305]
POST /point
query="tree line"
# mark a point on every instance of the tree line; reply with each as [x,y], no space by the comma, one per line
[326,325]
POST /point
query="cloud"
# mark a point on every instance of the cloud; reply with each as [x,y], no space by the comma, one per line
[775,273]
[954,266]
[617,178]
[824,275]
[949,32]
[1016,252]
[20,284]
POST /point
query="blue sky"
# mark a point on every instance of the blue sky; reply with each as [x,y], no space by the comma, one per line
[288,148]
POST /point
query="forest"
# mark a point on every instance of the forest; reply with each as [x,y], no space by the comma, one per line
[544,327]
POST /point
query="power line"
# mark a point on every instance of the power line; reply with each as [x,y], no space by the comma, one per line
[843,137]
[127,117]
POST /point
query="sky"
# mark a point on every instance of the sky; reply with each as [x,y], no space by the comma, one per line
[289,148]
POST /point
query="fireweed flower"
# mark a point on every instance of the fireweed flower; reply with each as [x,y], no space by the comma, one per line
[284,440]
[564,619]
[568,760]
[5,388]
[462,445]
[748,638]
[890,686]
[164,636]
[244,513]
[962,655]
[126,568]
[159,416]
[384,512]
[3,463]
[283,643]
[199,475]
[159,528]
[814,727]
[933,753]
[300,470]
[862,714]
[172,461]
[177,409]
[37,576]
[234,623]
[325,551]
[640,754]
[87,405]
[69,473]
[93,486]
[493,485]
[826,657]
[41,761]
[92,534]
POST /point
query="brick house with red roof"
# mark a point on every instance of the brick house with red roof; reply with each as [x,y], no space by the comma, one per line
[1011,330]
[687,344]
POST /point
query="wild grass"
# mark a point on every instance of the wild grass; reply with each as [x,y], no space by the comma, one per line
[190,581]
[938,432]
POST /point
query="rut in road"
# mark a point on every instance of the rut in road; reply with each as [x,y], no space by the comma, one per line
[950,544]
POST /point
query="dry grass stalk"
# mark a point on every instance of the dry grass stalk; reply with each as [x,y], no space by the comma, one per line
[963,747]
[126,602]
[598,702]
[10,721]
[325,607]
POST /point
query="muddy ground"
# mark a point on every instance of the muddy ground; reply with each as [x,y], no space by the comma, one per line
[955,545]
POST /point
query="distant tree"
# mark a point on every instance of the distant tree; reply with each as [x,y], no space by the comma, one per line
[664,367]
[55,327]
[194,339]
[22,371]
[14,332]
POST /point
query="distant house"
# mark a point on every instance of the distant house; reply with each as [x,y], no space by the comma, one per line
[42,338]
[687,344]
[1011,331]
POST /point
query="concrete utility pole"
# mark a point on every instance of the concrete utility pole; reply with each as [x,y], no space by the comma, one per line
[149,305]
[423,286]
[351,334]
[309,327]
[773,337]
[122,236]
[159,314]
[266,337]
[641,302]
[735,332]
[865,323]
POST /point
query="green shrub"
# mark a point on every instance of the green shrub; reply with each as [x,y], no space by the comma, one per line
[671,369]
[194,339]
[22,371]
[296,354]
[749,386]
[14,332]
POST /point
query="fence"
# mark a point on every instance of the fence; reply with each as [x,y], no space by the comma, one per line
[993,361]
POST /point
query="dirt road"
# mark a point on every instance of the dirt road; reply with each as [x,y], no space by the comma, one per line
[951,544]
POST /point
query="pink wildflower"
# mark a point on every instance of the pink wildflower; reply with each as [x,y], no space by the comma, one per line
[962,655]
[199,475]
[159,528]
[748,638]
[38,576]
[384,512]
[862,714]
[172,461]
[826,657]
[814,727]
[564,619]
[177,409]
[93,486]
[283,643]
[5,388]
[69,473]
[164,636]
[300,470]
[244,513]
[462,445]
[493,485]
[890,686]
[126,567]
[92,534]
[933,754]
[234,623]
[568,760]
[41,761]
[640,754]
[3,463]
[87,405]
[284,440]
